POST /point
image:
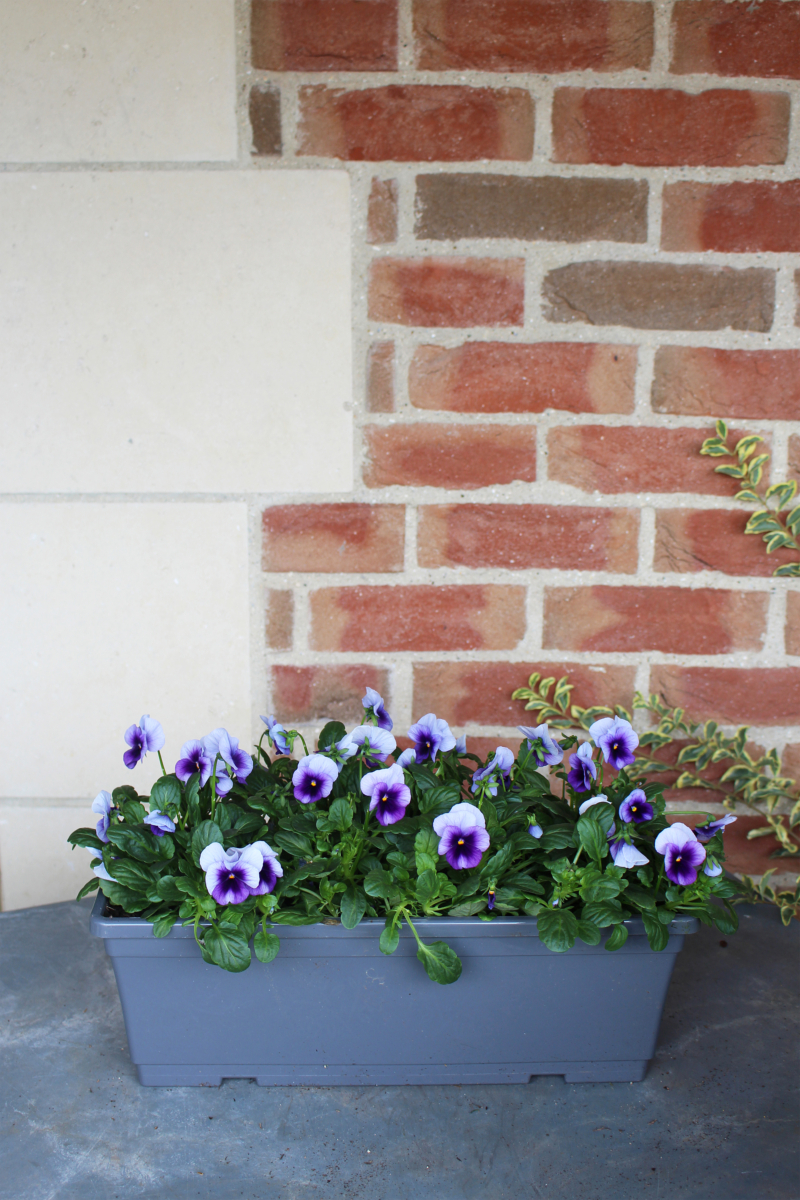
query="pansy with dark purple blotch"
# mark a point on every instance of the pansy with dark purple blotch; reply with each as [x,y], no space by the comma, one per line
[381,744]
[222,781]
[219,742]
[626,855]
[271,869]
[277,735]
[104,806]
[147,735]
[498,768]
[544,749]
[389,795]
[430,734]
[194,758]
[373,702]
[583,771]
[159,822]
[314,778]
[636,808]
[682,852]
[704,833]
[231,874]
[462,836]
[617,739]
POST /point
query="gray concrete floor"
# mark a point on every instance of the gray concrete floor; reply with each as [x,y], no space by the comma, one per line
[715,1117]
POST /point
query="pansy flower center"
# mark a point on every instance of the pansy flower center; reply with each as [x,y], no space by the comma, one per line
[461,841]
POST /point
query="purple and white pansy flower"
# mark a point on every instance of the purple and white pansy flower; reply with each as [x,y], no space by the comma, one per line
[635,808]
[104,806]
[430,734]
[231,875]
[220,743]
[682,852]
[373,703]
[545,750]
[498,768]
[314,778]
[381,744]
[626,855]
[704,833]
[101,872]
[389,795]
[222,782]
[583,771]
[712,868]
[270,872]
[463,836]
[617,740]
[194,757]
[461,745]
[587,804]
[407,757]
[147,735]
[159,822]
[535,831]
[277,735]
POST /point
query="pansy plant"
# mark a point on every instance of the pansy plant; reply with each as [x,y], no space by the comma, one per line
[356,829]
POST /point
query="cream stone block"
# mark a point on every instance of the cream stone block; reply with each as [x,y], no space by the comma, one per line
[110,611]
[175,331]
[60,871]
[114,81]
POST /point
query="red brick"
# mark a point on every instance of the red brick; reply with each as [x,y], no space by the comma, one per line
[280,619]
[455,292]
[504,377]
[473,617]
[334,537]
[669,128]
[416,123]
[794,457]
[793,628]
[265,120]
[382,212]
[532,35]
[712,540]
[733,695]
[449,456]
[674,620]
[480,693]
[716,37]
[324,35]
[732,217]
[634,459]
[380,377]
[522,536]
[701,381]
[659,295]
[325,693]
[790,761]
[797,296]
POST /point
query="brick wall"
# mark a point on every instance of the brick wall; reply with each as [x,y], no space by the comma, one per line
[577,242]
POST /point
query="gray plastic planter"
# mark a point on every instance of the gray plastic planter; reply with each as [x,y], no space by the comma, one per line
[331,1009]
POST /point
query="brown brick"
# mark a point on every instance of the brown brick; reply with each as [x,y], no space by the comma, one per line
[532,35]
[797,296]
[634,459]
[449,456]
[750,857]
[454,292]
[712,540]
[648,295]
[794,458]
[505,377]
[380,377]
[716,37]
[334,537]
[382,212]
[325,693]
[734,695]
[732,217]
[532,209]
[416,123]
[473,617]
[265,120]
[793,628]
[280,619]
[674,620]
[700,381]
[521,536]
[324,35]
[480,693]
[667,128]
[790,761]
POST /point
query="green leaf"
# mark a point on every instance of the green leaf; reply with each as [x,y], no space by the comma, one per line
[169,890]
[206,834]
[722,430]
[134,843]
[426,851]
[163,924]
[557,837]
[86,837]
[558,929]
[756,466]
[340,815]
[588,932]
[657,932]
[791,570]
[602,888]
[749,495]
[293,842]
[266,946]
[438,800]
[746,445]
[352,906]
[592,838]
[133,875]
[120,794]
[224,946]
[192,794]
[734,472]
[91,886]
[427,887]
[165,795]
[725,919]
[378,883]
[440,962]
[333,732]
[291,916]
[390,937]
[603,912]
[618,938]
[468,908]
[640,898]
[793,519]
[133,812]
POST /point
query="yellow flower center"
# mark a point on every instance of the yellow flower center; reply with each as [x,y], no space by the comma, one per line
[461,841]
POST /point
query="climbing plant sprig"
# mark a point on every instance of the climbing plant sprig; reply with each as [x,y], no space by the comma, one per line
[777,517]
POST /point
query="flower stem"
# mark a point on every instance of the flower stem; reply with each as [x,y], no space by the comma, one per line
[160,759]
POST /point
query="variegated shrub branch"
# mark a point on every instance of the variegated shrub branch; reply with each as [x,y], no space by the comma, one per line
[777,518]
[755,782]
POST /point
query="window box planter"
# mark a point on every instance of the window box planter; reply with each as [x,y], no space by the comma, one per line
[331,1009]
